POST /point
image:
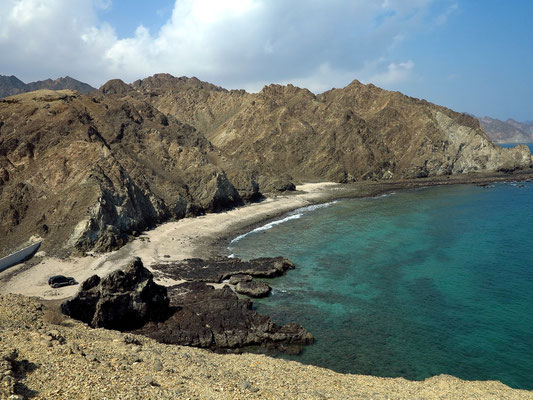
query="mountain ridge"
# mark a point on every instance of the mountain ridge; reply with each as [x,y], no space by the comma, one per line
[11,85]
[508,131]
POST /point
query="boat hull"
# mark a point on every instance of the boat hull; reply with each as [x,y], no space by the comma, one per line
[21,255]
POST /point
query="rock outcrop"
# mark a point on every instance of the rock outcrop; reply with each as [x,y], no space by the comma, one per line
[192,314]
[218,269]
[253,288]
[218,319]
[123,300]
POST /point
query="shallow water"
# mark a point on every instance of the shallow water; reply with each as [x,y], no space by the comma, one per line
[412,284]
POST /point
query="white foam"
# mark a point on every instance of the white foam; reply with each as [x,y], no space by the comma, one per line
[267,226]
[296,214]
[384,195]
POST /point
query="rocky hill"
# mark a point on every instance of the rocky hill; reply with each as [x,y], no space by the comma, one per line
[44,355]
[350,134]
[11,85]
[86,171]
[83,172]
[509,131]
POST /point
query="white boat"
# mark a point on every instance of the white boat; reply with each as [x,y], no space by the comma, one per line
[21,255]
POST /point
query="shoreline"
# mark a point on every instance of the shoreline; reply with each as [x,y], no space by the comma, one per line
[208,236]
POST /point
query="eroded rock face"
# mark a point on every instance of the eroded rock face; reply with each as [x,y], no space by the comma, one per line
[87,171]
[218,319]
[123,300]
[356,133]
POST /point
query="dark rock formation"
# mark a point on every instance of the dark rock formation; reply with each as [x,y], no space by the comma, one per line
[218,269]
[218,319]
[192,314]
[253,288]
[123,300]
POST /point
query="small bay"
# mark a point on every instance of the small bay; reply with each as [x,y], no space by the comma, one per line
[411,284]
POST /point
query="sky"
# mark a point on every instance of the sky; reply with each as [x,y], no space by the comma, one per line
[473,56]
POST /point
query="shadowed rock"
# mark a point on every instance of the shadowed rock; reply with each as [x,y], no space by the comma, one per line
[122,300]
[218,269]
[218,319]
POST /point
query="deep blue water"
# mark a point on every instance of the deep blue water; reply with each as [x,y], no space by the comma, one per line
[412,284]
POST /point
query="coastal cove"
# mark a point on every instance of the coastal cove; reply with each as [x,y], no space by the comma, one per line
[409,284]
[208,236]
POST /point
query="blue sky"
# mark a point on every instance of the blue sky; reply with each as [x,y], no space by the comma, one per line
[470,55]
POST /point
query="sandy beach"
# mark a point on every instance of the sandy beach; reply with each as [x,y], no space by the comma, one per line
[186,238]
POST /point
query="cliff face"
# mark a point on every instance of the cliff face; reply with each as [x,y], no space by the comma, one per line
[11,85]
[83,172]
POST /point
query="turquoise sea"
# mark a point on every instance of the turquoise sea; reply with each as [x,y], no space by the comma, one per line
[410,284]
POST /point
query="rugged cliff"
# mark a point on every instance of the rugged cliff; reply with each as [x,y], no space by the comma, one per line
[84,172]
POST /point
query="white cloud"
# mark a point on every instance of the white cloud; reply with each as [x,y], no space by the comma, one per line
[394,73]
[443,18]
[233,43]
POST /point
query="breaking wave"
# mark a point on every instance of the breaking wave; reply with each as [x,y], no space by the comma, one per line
[296,214]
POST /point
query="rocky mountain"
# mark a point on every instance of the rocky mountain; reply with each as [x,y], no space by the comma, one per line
[355,133]
[11,85]
[86,171]
[509,131]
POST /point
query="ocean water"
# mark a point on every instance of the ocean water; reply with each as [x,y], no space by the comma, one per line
[410,284]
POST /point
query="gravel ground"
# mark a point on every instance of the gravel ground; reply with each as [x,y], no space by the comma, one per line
[46,356]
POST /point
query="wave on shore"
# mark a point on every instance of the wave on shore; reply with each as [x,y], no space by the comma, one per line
[296,214]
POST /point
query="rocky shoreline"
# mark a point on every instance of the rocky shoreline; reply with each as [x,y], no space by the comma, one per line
[192,313]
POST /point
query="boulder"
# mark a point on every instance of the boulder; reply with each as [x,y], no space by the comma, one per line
[235,279]
[253,288]
[123,300]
